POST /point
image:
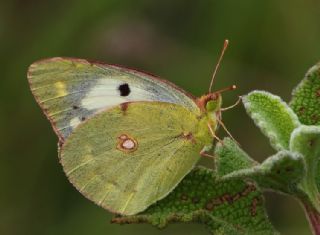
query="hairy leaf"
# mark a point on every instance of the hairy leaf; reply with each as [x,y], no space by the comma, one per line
[306,97]
[230,157]
[306,141]
[229,206]
[281,172]
[272,116]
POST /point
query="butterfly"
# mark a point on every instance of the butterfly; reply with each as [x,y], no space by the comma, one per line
[126,138]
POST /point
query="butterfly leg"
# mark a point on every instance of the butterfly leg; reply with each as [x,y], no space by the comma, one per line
[214,135]
[204,152]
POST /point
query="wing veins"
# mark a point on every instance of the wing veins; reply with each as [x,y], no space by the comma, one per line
[80,166]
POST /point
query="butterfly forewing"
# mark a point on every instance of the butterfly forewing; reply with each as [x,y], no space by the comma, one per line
[72,90]
[128,157]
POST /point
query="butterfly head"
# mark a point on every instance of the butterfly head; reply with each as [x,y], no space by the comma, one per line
[212,102]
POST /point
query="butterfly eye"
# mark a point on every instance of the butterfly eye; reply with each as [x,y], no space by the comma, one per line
[124,89]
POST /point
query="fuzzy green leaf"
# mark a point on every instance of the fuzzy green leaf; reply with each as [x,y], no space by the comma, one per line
[281,172]
[230,157]
[229,206]
[272,116]
[306,97]
[306,141]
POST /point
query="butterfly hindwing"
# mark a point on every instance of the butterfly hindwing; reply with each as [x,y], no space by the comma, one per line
[130,156]
[73,90]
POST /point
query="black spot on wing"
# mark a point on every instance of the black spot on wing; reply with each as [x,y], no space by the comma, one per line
[124,89]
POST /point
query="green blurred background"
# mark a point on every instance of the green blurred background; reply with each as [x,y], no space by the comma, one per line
[273,43]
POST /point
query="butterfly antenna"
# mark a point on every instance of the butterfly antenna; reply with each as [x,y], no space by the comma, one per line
[232,106]
[230,88]
[225,46]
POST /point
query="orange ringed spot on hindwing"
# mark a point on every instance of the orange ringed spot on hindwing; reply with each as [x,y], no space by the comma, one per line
[123,137]
[127,144]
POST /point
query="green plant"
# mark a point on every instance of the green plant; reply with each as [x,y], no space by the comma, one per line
[229,198]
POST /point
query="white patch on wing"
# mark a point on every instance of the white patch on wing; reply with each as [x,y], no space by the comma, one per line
[75,121]
[105,94]
[72,90]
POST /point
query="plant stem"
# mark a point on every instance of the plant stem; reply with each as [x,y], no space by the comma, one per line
[314,218]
